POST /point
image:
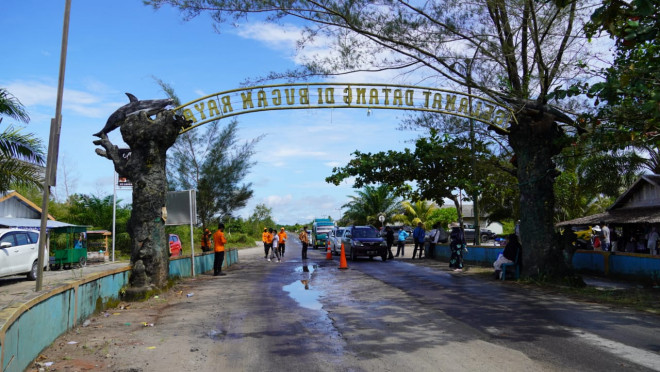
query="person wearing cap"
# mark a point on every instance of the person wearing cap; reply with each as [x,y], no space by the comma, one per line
[304,239]
[219,242]
[264,238]
[206,241]
[282,241]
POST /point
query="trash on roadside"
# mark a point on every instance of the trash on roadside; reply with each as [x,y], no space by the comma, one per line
[72,342]
[106,314]
[145,324]
[155,296]
[86,323]
[151,347]
[127,324]
[116,313]
[189,294]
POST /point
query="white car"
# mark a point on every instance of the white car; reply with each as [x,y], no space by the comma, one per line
[19,253]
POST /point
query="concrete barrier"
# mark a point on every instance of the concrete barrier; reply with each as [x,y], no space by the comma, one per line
[32,326]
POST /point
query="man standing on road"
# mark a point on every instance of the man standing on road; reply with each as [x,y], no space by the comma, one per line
[219,242]
[304,240]
[401,243]
[418,239]
[282,235]
[264,238]
[389,239]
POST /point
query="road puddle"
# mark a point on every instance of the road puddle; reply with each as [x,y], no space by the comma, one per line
[301,290]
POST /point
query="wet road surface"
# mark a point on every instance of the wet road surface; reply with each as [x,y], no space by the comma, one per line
[400,315]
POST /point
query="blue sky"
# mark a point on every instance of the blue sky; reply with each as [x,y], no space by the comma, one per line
[119,46]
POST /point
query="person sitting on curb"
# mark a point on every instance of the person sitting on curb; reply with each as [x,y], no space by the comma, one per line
[511,251]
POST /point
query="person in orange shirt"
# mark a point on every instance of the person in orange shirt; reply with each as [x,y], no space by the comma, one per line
[268,242]
[206,241]
[282,236]
[219,241]
[264,238]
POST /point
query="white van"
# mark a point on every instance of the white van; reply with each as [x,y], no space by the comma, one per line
[19,253]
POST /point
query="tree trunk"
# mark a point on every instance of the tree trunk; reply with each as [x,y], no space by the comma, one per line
[536,139]
[145,168]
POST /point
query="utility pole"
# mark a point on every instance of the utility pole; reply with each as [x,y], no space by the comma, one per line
[475,192]
[53,151]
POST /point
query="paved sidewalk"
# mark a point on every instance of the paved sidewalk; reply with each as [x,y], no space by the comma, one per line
[16,290]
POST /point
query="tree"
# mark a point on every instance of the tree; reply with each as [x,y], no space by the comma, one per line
[517,52]
[213,163]
[369,203]
[415,212]
[443,216]
[20,154]
[438,166]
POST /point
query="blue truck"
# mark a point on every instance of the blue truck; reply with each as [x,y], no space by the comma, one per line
[320,229]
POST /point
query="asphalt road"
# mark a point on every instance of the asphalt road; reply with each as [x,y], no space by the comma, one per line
[399,315]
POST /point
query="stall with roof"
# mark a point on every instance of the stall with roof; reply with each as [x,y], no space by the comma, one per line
[631,217]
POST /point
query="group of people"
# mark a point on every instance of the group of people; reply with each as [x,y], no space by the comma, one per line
[275,243]
[218,241]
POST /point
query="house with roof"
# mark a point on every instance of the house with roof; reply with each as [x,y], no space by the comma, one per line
[631,216]
[17,211]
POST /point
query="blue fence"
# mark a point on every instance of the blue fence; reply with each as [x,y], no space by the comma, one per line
[633,265]
[43,319]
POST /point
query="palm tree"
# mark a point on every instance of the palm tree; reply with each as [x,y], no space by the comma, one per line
[419,211]
[369,203]
[20,154]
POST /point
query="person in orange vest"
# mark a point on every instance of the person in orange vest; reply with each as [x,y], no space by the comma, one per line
[206,241]
[219,241]
[282,235]
[268,243]
[264,238]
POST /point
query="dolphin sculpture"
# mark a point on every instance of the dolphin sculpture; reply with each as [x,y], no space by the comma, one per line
[136,106]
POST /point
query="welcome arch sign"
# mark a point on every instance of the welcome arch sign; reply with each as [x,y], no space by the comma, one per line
[343,95]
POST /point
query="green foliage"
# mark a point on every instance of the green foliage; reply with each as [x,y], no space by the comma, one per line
[415,212]
[21,154]
[369,203]
[443,216]
[438,166]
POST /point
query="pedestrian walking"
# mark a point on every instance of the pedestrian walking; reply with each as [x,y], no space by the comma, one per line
[401,243]
[264,238]
[282,241]
[304,239]
[206,241]
[219,242]
[269,242]
[457,245]
[389,239]
[274,249]
[604,236]
[418,239]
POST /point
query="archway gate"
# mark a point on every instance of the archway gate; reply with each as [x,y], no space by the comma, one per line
[344,95]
